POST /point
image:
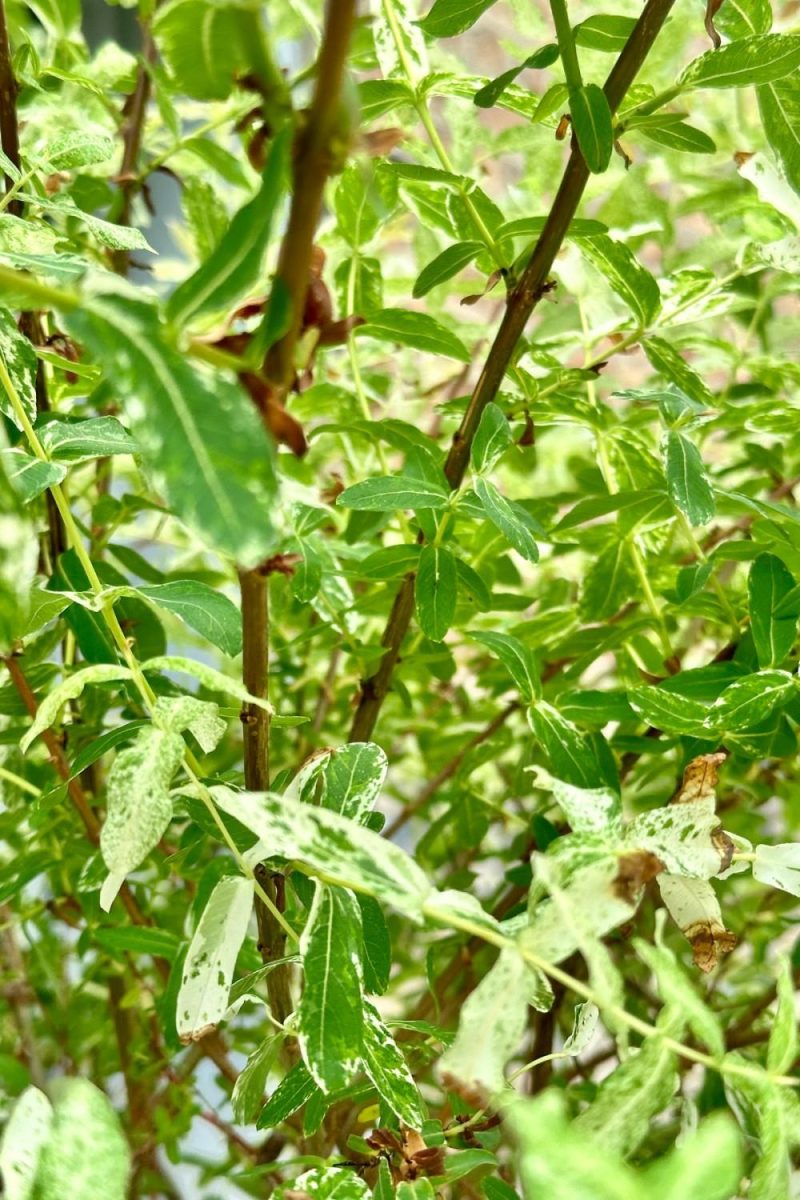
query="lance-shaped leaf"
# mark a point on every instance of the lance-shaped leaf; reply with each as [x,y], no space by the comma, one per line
[782,1048]
[628,1099]
[202,442]
[669,363]
[750,700]
[447,264]
[86,1152]
[387,1068]
[707,1164]
[30,476]
[352,778]
[694,908]
[593,125]
[491,1025]
[208,612]
[517,658]
[203,44]
[492,438]
[70,689]
[252,1079]
[779,104]
[629,279]
[291,1094]
[19,357]
[435,591]
[330,846]
[668,711]
[418,330]
[676,990]
[26,1132]
[687,481]
[209,677]
[330,1018]
[77,441]
[746,62]
[139,807]
[450,17]
[200,717]
[325,1183]
[208,969]
[235,266]
[773,621]
[570,755]
[388,492]
[509,518]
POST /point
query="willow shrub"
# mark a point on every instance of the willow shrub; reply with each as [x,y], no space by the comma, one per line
[399,699]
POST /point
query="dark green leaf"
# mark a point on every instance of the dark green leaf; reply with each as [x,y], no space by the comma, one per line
[761,59]
[517,658]
[629,279]
[509,518]
[770,585]
[435,591]
[687,480]
[388,492]
[418,330]
[591,120]
[492,438]
[605,32]
[445,266]
[450,17]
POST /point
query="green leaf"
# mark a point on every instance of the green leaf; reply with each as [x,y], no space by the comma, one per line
[591,120]
[94,437]
[386,1067]
[668,362]
[291,1094]
[70,689]
[687,481]
[761,59]
[435,591]
[209,965]
[42,608]
[208,676]
[677,135]
[201,43]
[668,711]
[628,278]
[385,493]
[769,585]
[707,1164]
[490,93]
[569,754]
[606,32]
[609,582]
[779,105]
[352,778]
[517,658]
[419,330]
[30,476]
[782,1048]
[330,1016]
[139,807]
[508,518]
[588,810]
[19,357]
[208,612]
[445,266]
[751,699]
[377,947]
[236,266]
[492,438]
[331,847]
[26,1132]
[448,18]
[677,991]
[78,148]
[325,1183]
[86,1152]
[137,939]
[189,427]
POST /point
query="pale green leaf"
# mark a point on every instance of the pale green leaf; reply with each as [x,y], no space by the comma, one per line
[782,1048]
[760,59]
[676,990]
[86,1152]
[19,357]
[419,330]
[387,1068]
[26,1132]
[779,866]
[30,476]
[94,437]
[70,689]
[387,492]
[252,1079]
[628,278]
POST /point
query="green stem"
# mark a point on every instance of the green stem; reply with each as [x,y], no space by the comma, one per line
[702,557]
[447,918]
[566,44]
[23,784]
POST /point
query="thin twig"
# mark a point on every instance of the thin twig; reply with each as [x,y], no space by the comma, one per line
[521,302]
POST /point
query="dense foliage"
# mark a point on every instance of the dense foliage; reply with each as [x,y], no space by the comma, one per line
[399,693]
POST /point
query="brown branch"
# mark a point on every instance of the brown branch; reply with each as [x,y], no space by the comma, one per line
[9,131]
[128,178]
[19,994]
[521,302]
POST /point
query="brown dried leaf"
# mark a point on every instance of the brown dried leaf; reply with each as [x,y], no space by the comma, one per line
[699,779]
[709,941]
[635,871]
[380,142]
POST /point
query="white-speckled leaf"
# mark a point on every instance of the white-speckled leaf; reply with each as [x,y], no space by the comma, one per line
[324,1183]
[779,866]
[584,1027]
[330,1018]
[408,34]
[70,689]
[353,776]
[20,358]
[693,906]
[680,835]
[24,1136]
[200,717]
[331,847]
[86,1153]
[385,1065]
[208,970]
[588,810]
[491,1025]
[251,1081]
[676,989]
[138,805]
